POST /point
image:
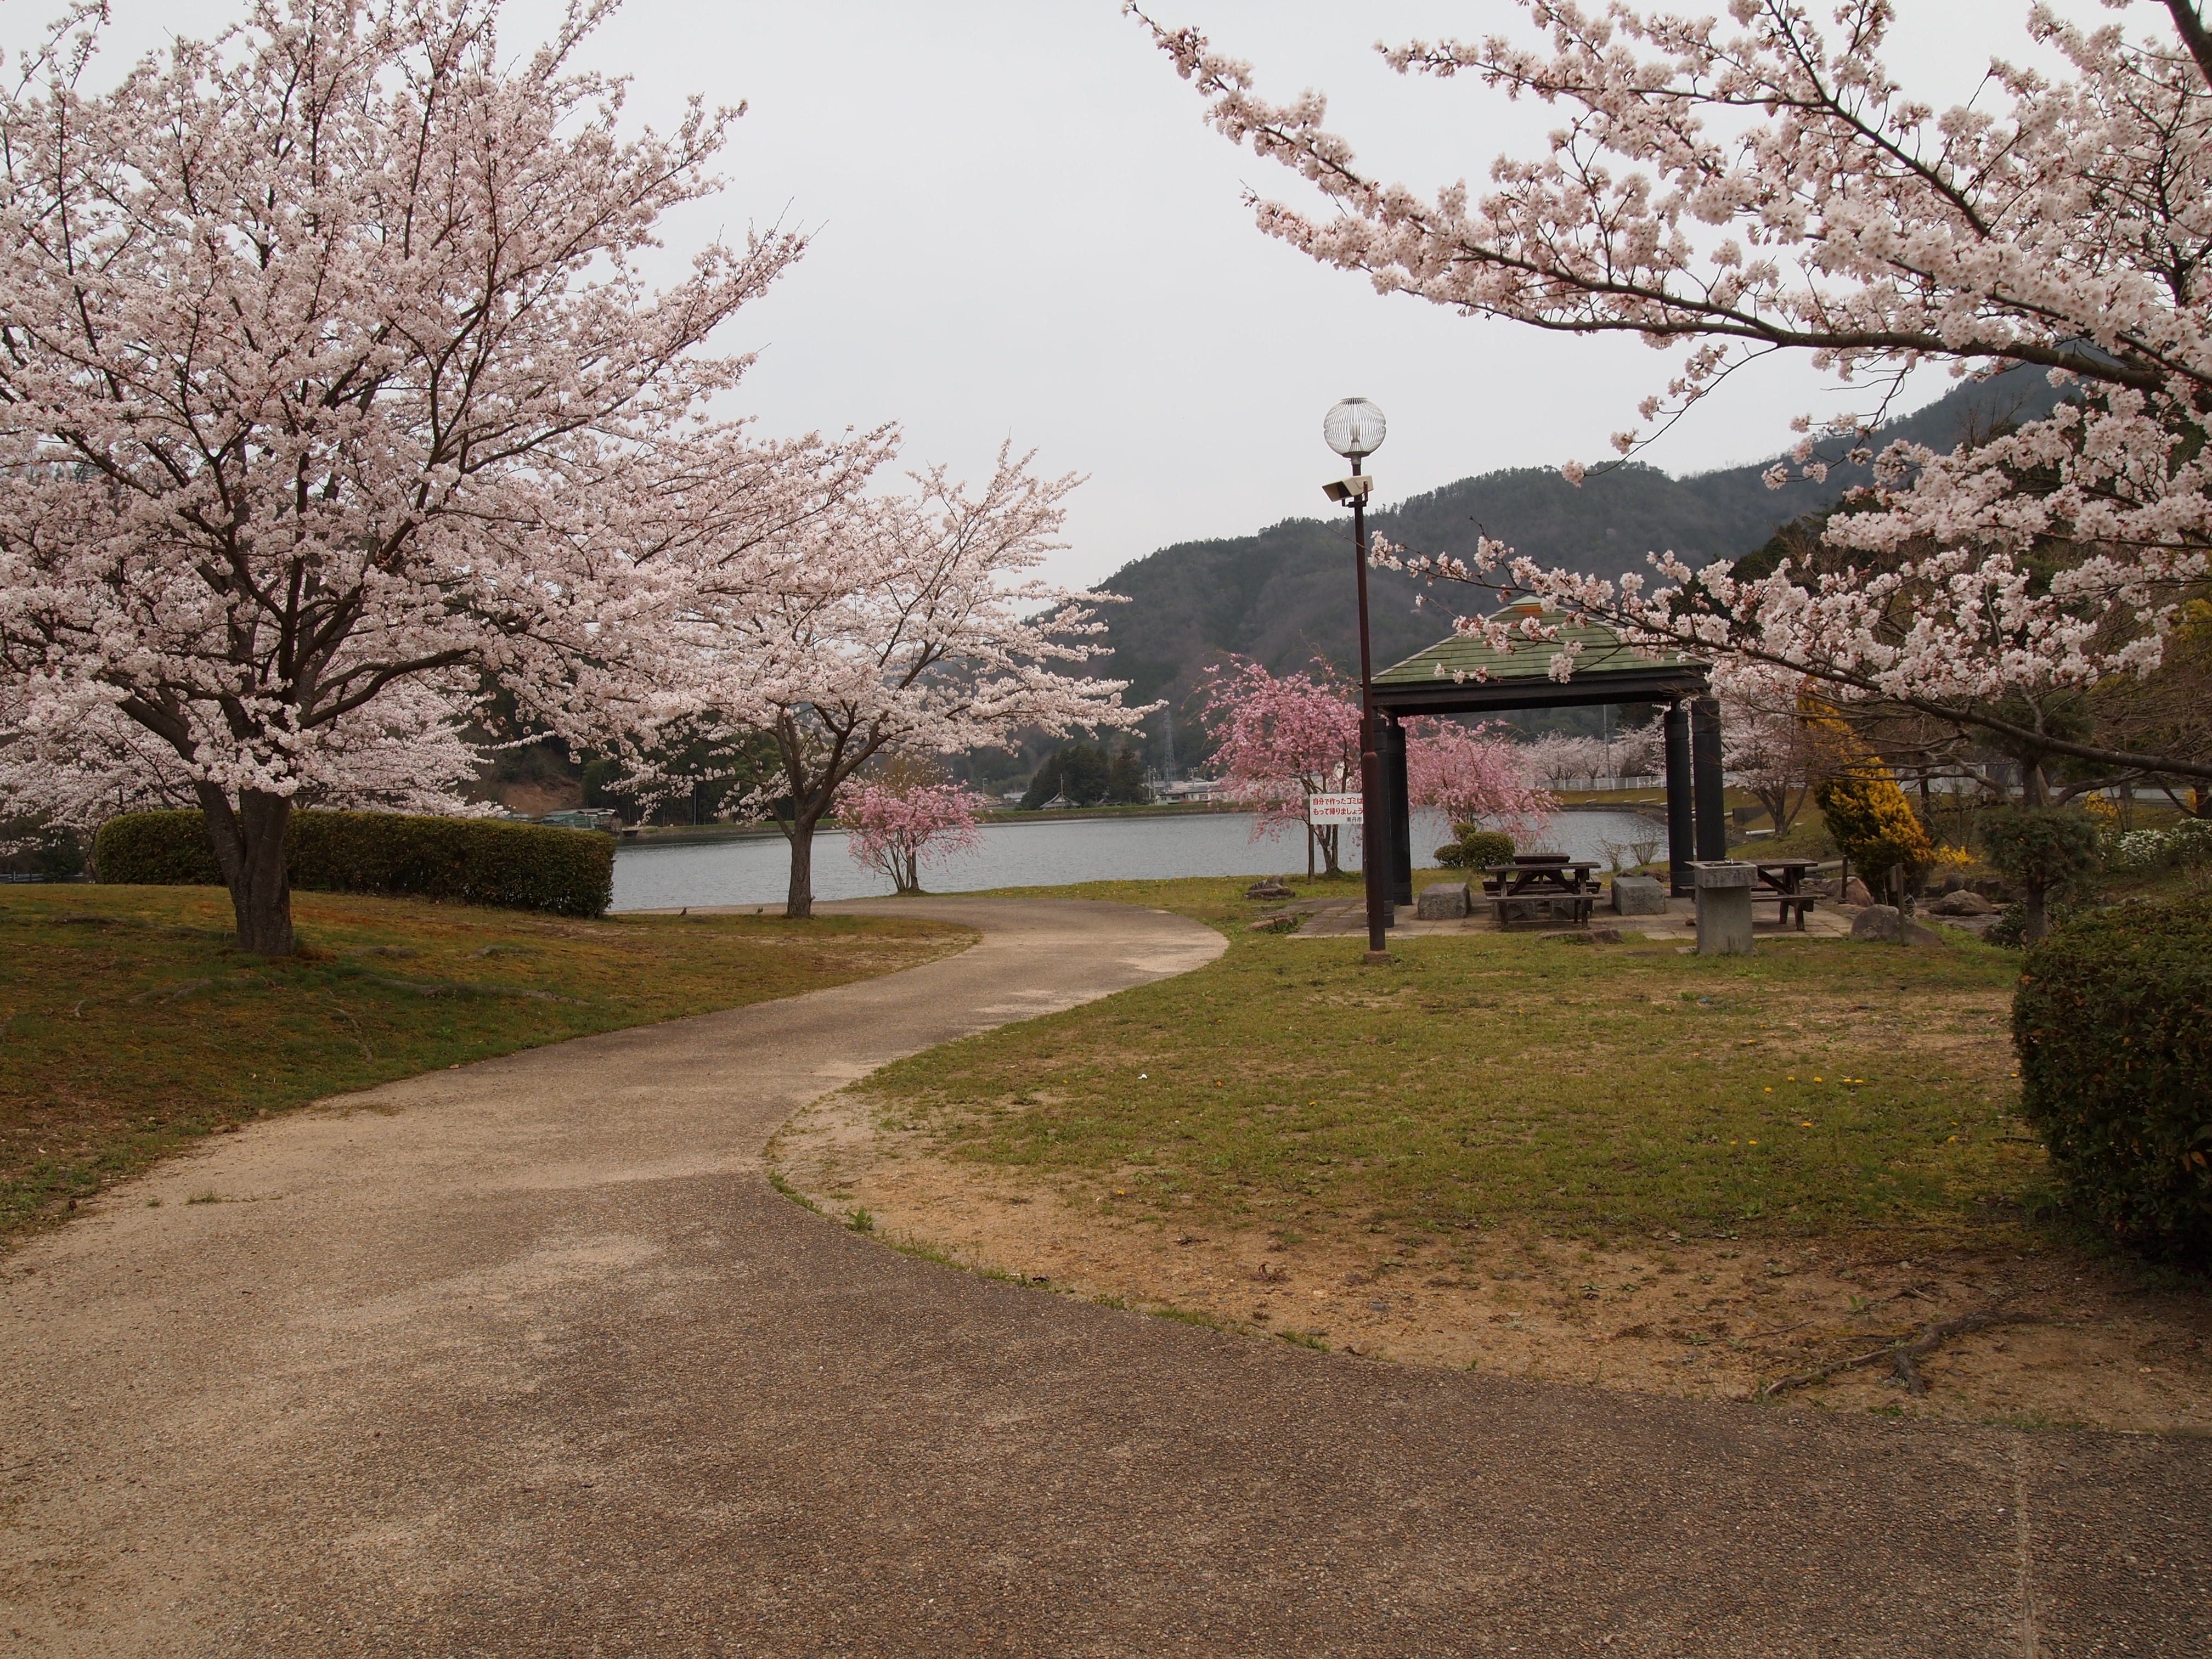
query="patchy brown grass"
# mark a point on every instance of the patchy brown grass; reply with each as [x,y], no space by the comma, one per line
[1609,1164]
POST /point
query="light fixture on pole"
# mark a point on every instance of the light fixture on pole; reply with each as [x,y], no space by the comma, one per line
[1355,428]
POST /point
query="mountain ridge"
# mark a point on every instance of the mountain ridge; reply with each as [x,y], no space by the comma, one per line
[1283,595]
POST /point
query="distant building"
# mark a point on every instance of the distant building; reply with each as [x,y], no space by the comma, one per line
[584,817]
[1197,789]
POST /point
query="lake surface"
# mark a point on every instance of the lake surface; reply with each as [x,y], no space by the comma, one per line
[757,871]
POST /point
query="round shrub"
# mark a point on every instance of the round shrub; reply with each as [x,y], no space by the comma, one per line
[1476,849]
[2113,1023]
[495,861]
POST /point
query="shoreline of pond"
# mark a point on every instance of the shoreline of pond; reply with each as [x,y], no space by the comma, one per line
[679,835]
[666,872]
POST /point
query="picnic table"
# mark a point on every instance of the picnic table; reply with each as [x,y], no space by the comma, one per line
[1781,884]
[1540,883]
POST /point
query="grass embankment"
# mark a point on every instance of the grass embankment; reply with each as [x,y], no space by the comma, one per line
[130,1024]
[1485,1079]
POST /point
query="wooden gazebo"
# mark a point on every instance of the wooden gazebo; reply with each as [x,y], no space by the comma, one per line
[1465,675]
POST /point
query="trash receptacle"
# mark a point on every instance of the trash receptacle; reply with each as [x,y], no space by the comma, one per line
[1723,889]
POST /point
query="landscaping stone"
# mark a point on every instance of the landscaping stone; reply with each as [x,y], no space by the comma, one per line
[1269,889]
[1440,903]
[1855,893]
[1282,924]
[1962,902]
[1585,936]
[1638,895]
[1881,924]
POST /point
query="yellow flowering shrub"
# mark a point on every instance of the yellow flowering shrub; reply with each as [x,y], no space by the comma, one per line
[1873,824]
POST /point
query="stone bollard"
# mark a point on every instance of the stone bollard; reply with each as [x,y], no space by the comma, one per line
[1638,895]
[1723,887]
[1442,903]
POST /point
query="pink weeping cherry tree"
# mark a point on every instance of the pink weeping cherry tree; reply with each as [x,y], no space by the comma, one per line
[900,826]
[1474,775]
[1279,740]
[332,398]
[1282,739]
[1733,185]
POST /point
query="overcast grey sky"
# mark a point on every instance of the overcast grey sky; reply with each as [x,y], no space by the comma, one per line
[1023,229]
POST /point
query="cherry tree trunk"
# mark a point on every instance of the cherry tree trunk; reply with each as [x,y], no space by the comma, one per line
[249,849]
[798,901]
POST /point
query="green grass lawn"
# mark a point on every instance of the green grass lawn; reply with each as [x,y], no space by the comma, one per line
[1484,1079]
[129,1023]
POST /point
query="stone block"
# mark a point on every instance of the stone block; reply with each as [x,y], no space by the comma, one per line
[1638,895]
[1440,903]
[1881,924]
[1714,874]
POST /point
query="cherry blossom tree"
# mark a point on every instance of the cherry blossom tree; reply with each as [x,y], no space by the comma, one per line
[332,396]
[1556,759]
[1741,186]
[898,826]
[1279,741]
[1474,775]
[1768,745]
[404,752]
[911,623]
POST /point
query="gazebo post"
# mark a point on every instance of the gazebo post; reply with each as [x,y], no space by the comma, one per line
[1682,829]
[1709,780]
[1397,798]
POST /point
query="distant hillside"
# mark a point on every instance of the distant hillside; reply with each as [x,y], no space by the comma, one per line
[1284,596]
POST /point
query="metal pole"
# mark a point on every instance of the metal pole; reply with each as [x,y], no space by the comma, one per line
[1681,811]
[1372,853]
[1708,783]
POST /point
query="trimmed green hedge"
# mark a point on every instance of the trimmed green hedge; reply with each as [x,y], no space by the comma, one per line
[1476,849]
[516,867]
[2113,1022]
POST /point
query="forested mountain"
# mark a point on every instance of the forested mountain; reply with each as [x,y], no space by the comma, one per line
[1285,595]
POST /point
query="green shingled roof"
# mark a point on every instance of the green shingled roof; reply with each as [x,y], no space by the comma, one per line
[1461,658]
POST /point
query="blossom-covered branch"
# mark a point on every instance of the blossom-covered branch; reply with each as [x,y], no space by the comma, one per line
[1737,185]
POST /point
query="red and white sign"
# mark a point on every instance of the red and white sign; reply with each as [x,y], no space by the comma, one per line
[1334,808]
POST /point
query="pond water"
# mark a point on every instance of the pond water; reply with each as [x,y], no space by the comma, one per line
[757,870]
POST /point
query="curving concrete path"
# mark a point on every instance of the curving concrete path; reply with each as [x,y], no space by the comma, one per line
[527,1359]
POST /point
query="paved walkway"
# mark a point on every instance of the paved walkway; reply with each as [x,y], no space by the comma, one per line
[1346,918]
[527,1359]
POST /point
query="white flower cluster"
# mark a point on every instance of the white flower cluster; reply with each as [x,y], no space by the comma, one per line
[2188,842]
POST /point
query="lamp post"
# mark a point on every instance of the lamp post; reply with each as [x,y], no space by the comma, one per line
[1355,428]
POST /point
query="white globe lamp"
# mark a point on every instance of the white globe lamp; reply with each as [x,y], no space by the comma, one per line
[1354,427]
